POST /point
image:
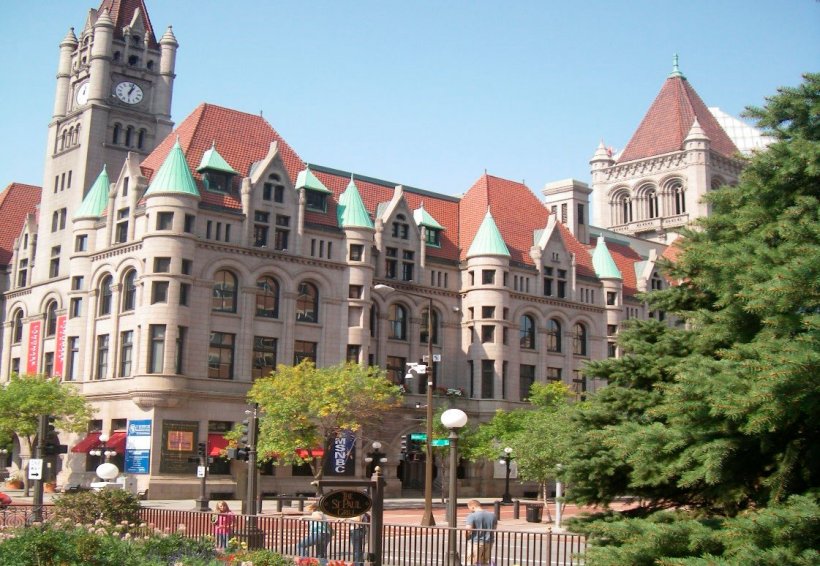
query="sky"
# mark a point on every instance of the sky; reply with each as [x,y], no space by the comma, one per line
[426,93]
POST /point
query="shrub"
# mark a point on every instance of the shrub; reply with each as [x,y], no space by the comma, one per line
[114,505]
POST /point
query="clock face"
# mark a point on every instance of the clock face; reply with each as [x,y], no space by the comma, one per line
[128,92]
[82,94]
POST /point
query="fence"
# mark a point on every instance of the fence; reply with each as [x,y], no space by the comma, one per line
[402,545]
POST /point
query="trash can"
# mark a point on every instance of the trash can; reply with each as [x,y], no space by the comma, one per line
[534,511]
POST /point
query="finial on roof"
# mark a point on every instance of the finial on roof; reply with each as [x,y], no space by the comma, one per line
[675,68]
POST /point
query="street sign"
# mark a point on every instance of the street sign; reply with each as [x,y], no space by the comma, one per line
[440,442]
[200,471]
[35,469]
[418,436]
[436,357]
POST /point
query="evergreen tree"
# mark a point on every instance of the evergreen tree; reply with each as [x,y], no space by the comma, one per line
[724,415]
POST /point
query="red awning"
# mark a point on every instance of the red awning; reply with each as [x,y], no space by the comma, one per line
[315,453]
[216,444]
[117,442]
[91,441]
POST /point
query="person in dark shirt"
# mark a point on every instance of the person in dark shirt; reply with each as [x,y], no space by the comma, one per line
[481,525]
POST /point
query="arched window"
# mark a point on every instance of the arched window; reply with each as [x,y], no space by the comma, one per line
[17,331]
[224,292]
[397,319]
[678,200]
[624,209]
[129,131]
[105,296]
[116,137]
[579,340]
[307,303]
[63,139]
[400,227]
[374,320]
[129,291]
[553,335]
[423,329]
[652,203]
[51,318]
[267,297]
[526,332]
[76,135]
[141,139]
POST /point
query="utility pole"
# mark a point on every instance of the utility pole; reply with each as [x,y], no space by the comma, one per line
[255,535]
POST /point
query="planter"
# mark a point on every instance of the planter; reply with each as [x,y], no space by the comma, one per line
[14,484]
[49,487]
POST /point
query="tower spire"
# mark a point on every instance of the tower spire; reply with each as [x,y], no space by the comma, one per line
[676,69]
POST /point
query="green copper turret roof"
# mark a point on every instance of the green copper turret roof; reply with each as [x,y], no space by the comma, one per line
[675,69]
[351,211]
[306,179]
[423,218]
[488,240]
[173,176]
[603,263]
[96,199]
[212,160]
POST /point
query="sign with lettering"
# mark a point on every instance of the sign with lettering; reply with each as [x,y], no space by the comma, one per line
[138,447]
[59,347]
[35,469]
[33,355]
[345,503]
[340,455]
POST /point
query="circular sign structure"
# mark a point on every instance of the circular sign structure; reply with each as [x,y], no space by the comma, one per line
[345,503]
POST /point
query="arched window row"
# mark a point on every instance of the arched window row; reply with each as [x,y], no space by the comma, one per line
[69,137]
[225,297]
[129,136]
[648,202]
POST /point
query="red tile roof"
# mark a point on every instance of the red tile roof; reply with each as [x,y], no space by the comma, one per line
[121,13]
[241,138]
[16,202]
[444,210]
[668,121]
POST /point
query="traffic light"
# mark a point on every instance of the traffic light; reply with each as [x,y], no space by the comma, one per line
[244,429]
[51,442]
[404,444]
[201,449]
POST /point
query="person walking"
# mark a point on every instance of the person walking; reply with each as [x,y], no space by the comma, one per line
[223,524]
[358,534]
[319,533]
[481,525]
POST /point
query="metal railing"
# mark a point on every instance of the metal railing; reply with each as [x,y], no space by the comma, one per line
[402,545]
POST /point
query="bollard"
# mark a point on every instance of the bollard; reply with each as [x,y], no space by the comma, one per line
[497,509]
[516,509]
[279,503]
[301,505]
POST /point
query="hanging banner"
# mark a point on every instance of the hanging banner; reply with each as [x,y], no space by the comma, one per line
[33,355]
[59,346]
[138,447]
[340,455]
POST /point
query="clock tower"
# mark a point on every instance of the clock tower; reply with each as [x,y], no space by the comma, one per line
[113,96]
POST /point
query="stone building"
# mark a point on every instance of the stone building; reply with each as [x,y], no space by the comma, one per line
[167,268]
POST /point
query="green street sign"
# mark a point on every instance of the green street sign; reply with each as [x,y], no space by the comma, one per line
[440,442]
[418,436]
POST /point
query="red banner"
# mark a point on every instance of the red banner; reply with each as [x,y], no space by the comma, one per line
[59,347]
[33,361]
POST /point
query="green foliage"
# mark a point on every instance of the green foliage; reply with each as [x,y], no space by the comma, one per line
[58,543]
[723,415]
[777,535]
[263,558]
[115,506]
[302,406]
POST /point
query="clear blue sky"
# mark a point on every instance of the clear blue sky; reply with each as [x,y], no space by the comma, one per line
[430,94]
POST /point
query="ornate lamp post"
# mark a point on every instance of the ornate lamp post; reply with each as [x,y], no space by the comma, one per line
[105,471]
[375,458]
[427,519]
[507,459]
[453,419]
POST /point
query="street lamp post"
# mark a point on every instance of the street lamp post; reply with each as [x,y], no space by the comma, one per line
[375,458]
[453,419]
[427,519]
[105,471]
[507,459]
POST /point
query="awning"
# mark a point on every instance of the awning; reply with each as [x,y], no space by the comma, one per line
[91,441]
[305,453]
[117,442]
[216,444]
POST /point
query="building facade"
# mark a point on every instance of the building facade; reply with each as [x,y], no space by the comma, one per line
[168,268]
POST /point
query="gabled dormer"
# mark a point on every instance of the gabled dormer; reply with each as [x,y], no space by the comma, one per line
[216,173]
[316,193]
[553,260]
[400,240]
[432,229]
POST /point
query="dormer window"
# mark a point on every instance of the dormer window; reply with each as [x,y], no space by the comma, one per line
[433,238]
[216,172]
[315,200]
[400,227]
[216,182]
